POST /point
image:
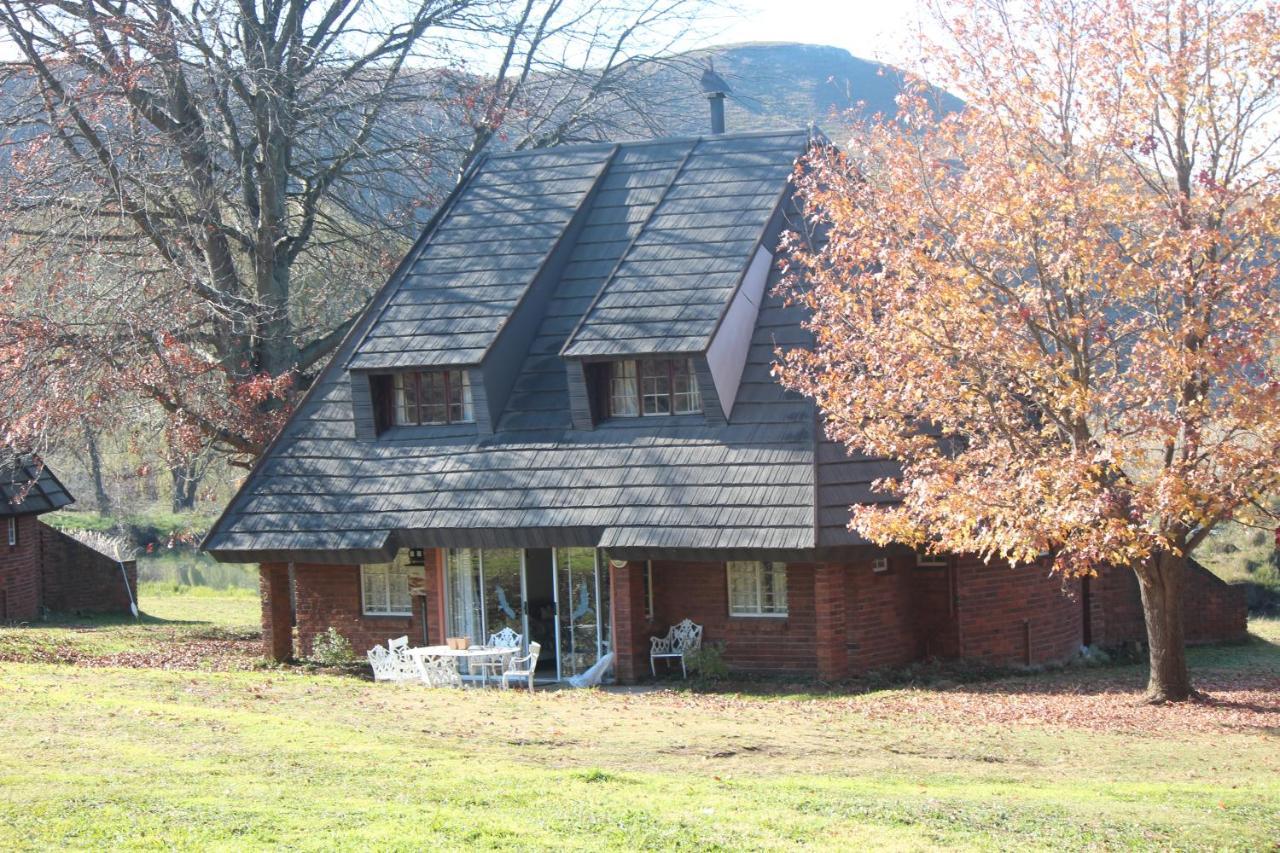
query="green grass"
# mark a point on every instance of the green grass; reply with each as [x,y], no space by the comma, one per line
[146,758]
[1244,555]
[169,621]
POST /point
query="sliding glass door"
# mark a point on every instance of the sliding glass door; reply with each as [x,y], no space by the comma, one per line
[558,598]
[582,636]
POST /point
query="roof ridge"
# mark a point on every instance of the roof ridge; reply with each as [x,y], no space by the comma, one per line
[658,140]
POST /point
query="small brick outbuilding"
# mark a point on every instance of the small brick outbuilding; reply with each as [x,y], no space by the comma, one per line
[42,569]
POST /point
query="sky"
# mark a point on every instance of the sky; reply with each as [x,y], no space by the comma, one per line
[869,29]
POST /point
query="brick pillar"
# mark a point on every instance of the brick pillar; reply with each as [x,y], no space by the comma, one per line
[831,627]
[277,620]
[631,657]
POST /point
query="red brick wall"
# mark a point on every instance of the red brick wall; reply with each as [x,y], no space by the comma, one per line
[629,627]
[1015,616]
[329,596]
[78,579]
[699,591]
[882,623]
[934,603]
[277,612]
[20,571]
[1214,610]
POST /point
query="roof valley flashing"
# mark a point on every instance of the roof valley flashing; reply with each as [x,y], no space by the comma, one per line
[542,262]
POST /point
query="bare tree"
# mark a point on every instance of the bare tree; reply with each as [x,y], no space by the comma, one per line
[197,198]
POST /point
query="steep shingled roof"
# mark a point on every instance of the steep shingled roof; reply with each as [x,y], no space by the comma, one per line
[658,248]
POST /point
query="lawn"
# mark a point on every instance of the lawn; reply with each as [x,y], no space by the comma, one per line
[210,754]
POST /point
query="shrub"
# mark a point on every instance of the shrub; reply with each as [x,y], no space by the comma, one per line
[707,663]
[332,649]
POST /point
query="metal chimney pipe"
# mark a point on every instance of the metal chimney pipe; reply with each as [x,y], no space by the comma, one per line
[714,87]
[717,111]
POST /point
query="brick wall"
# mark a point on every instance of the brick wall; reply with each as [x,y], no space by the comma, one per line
[1214,610]
[883,629]
[1015,616]
[78,579]
[329,596]
[629,626]
[20,571]
[699,591]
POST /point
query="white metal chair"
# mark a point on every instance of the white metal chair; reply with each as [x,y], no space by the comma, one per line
[387,666]
[504,639]
[680,640]
[523,667]
[439,671]
[399,644]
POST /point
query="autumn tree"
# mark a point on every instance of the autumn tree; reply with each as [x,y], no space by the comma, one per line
[196,198]
[1057,309]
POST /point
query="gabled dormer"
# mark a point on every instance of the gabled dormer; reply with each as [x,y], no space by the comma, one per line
[448,343]
[676,314]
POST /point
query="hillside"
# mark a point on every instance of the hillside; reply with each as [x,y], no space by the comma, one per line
[789,85]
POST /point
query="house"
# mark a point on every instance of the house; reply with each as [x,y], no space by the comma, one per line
[558,415]
[42,569]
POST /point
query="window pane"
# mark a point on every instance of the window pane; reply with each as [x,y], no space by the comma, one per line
[743,590]
[623,397]
[434,405]
[773,588]
[467,413]
[655,386]
[398,600]
[463,606]
[757,589]
[688,399]
[406,400]
[375,588]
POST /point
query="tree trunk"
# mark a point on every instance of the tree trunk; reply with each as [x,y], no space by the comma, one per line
[100,495]
[186,480]
[1162,582]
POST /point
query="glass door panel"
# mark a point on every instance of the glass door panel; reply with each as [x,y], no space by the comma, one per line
[464,601]
[503,600]
[579,605]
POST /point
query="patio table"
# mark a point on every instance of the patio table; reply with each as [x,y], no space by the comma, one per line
[420,655]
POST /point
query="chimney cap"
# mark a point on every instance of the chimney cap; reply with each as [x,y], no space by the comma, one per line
[712,83]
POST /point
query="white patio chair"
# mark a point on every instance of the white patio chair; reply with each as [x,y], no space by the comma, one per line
[399,644]
[680,640]
[504,639]
[523,667]
[440,671]
[385,665]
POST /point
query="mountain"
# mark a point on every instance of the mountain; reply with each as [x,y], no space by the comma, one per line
[782,84]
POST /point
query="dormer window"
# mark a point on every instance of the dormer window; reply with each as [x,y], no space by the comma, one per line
[431,397]
[653,386]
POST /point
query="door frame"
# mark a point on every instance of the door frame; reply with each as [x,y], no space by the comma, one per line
[597,574]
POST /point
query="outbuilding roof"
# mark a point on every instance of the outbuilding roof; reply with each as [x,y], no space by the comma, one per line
[651,241]
[29,487]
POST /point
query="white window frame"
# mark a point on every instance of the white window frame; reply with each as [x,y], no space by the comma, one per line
[931,560]
[397,566]
[759,567]
[13,530]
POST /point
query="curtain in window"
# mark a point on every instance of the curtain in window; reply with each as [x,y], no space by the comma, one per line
[462,582]
[757,589]
[687,397]
[624,399]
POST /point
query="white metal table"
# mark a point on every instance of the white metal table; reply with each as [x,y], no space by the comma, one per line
[421,654]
